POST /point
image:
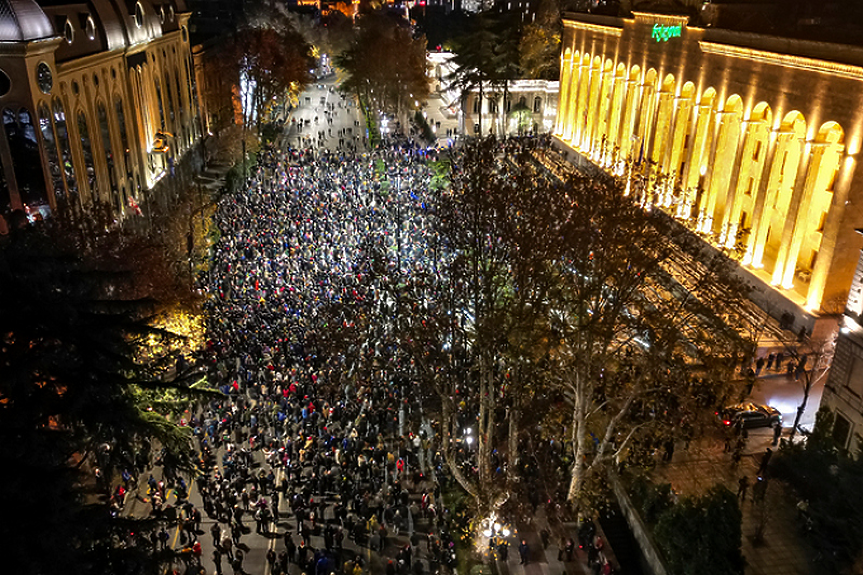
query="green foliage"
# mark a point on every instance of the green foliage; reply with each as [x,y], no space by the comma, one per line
[234,180]
[539,46]
[385,65]
[702,535]
[423,125]
[371,122]
[270,132]
[76,355]
[651,500]
[440,173]
[829,480]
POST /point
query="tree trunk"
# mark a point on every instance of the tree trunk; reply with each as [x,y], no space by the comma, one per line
[479,116]
[512,441]
[579,437]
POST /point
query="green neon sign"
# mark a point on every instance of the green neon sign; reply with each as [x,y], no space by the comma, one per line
[663,33]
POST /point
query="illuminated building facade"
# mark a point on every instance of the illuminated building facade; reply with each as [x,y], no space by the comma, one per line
[97,102]
[530,107]
[750,140]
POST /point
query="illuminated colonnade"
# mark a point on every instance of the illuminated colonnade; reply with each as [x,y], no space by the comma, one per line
[748,146]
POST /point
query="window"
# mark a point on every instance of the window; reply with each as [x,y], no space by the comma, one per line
[492,105]
[139,15]
[69,31]
[107,148]
[537,105]
[161,107]
[170,94]
[855,377]
[6,83]
[26,160]
[90,28]
[87,152]
[477,105]
[841,431]
[5,198]
[180,107]
[63,144]
[47,130]
[124,139]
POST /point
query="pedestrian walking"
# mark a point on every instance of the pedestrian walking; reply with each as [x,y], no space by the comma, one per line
[524,552]
[765,461]
[742,487]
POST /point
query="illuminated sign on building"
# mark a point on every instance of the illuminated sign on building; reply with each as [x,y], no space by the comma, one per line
[663,33]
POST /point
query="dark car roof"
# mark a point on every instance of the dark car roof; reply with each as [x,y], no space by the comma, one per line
[749,406]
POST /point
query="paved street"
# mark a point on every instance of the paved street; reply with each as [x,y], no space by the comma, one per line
[325,118]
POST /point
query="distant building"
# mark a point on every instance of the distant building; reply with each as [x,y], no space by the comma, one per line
[530,105]
[843,392]
[749,140]
[97,100]
[524,107]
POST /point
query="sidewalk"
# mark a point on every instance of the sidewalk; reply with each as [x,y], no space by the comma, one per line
[783,551]
[545,561]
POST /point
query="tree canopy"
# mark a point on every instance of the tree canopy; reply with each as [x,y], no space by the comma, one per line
[86,389]
[563,310]
[385,65]
[272,58]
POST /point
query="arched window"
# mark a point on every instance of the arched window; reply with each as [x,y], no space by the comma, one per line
[477,104]
[63,144]
[87,152]
[108,149]
[537,105]
[170,94]
[5,198]
[492,105]
[124,138]
[191,88]
[180,107]
[24,147]
[159,102]
[47,130]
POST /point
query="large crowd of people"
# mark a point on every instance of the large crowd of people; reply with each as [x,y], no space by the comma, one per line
[293,447]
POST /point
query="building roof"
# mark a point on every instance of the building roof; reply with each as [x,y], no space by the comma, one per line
[23,20]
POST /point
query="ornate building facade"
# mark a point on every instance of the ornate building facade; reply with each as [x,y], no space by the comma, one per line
[97,99]
[529,107]
[750,140]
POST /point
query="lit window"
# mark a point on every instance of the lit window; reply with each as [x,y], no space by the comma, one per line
[90,28]
[139,15]
[69,31]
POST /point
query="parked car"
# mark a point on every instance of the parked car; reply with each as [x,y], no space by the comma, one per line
[751,415]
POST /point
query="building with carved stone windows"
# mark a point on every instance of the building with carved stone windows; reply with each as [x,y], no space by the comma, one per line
[843,392]
[750,140]
[528,108]
[97,102]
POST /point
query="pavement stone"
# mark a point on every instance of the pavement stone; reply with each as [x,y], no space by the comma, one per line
[782,549]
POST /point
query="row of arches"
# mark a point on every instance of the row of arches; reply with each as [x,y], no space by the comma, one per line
[739,175]
[89,152]
[74,170]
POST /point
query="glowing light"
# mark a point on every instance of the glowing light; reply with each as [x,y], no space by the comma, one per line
[662,33]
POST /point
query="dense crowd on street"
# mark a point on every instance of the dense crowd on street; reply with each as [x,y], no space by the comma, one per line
[334,471]
[290,448]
